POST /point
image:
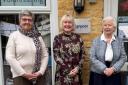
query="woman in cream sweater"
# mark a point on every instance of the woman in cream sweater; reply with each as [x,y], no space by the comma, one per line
[26,53]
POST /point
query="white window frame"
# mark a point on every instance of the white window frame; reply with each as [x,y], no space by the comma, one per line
[111,9]
[1,65]
[54,32]
[17,9]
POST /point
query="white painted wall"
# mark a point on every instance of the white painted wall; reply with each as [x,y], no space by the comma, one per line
[1,66]
[111,9]
[54,31]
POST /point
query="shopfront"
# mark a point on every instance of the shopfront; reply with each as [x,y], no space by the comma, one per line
[46,21]
[45,11]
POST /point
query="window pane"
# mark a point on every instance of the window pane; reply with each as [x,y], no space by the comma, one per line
[7,3]
[23,3]
[39,3]
[123,19]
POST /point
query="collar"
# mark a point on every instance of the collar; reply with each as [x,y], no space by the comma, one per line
[104,39]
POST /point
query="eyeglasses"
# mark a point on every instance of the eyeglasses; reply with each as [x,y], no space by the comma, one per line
[25,19]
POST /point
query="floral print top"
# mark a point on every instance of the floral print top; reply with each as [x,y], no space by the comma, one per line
[68,53]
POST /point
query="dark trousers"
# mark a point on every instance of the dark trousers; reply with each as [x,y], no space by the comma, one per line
[23,81]
[99,79]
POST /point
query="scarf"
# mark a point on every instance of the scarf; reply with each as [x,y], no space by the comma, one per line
[34,34]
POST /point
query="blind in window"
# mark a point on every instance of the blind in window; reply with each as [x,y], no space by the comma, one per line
[23,3]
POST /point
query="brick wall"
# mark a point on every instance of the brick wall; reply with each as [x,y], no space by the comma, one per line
[94,11]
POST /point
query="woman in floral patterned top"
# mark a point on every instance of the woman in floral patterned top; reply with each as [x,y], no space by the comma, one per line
[68,54]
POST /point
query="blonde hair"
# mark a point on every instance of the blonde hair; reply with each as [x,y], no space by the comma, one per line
[65,17]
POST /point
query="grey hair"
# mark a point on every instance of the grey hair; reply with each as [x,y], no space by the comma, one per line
[67,16]
[26,13]
[110,18]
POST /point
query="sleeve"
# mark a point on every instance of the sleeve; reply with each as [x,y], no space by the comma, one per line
[82,54]
[118,65]
[95,63]
[11,56]
[56,51]
[44,58]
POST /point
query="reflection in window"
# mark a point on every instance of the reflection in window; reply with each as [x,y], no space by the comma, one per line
[123,23]
[123,8]
[8,24]
[23,2]
[123,19]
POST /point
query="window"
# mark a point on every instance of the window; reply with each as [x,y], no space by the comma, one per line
[123,19]
[14,6]
[9,24]
[23,3]
[123,22]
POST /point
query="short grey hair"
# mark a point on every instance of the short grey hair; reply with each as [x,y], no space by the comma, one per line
[26,13]
[110,18]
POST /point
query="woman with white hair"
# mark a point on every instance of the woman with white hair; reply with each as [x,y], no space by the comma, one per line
[107,56]
[68,51]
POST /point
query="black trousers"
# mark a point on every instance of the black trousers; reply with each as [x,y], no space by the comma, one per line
[23,81]
[100,79]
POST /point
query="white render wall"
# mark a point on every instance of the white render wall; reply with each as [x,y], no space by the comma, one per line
[1,66]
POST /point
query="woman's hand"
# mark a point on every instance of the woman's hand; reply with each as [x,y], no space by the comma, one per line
[28,76]
[73,72]
[37,74]
[31,76]
[108,71]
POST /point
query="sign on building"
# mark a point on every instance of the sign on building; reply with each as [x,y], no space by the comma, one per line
[82,26]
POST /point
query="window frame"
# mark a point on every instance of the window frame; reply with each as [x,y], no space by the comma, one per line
[17,9]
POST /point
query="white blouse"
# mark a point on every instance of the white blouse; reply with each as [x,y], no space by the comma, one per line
[109,51]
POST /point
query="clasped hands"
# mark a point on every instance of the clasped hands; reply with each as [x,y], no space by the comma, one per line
[73,72]
[31,76]
[109,71]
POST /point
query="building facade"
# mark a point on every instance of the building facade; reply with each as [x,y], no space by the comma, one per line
[48,25]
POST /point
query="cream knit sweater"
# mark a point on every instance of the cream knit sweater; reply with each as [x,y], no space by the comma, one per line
[20,54]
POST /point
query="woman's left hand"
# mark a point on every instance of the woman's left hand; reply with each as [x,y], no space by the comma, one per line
[73,72]
[37,74]
[109,71]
